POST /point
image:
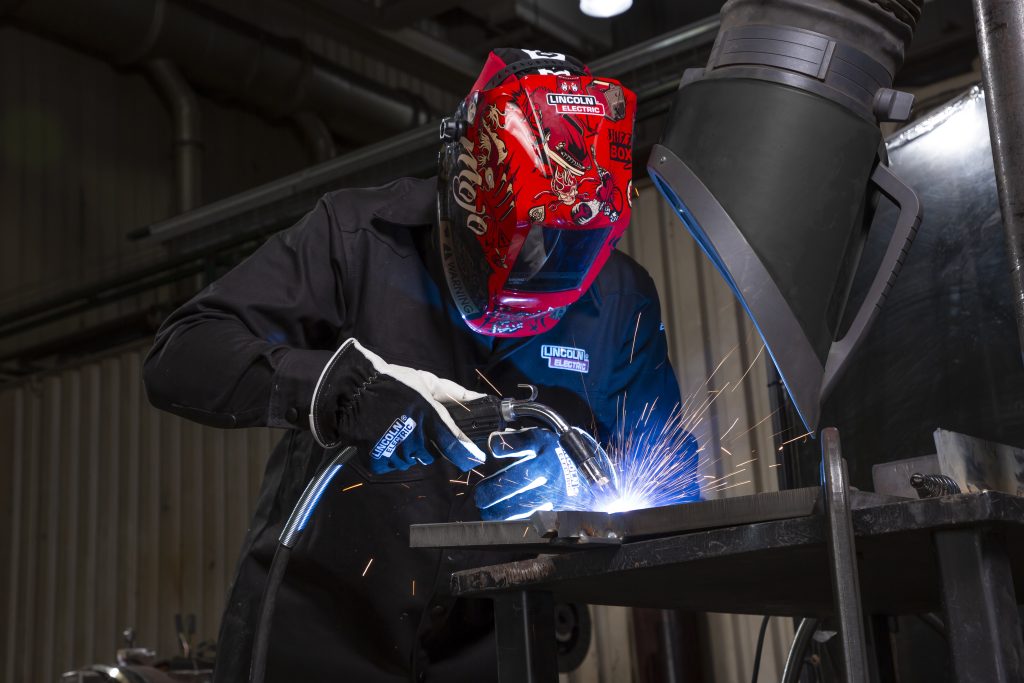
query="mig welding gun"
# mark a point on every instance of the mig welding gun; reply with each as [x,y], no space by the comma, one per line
[490,414]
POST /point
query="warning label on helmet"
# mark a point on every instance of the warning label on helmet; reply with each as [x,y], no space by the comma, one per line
[565,103]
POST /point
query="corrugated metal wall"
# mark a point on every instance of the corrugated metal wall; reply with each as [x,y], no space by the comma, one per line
[119,515]
[717,355]
[115,515]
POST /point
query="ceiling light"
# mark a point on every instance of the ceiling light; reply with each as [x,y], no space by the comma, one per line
[604,8]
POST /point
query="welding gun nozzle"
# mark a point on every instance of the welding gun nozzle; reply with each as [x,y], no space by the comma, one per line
[592,470]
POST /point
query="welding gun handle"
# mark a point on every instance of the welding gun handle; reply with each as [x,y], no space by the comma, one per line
[478,418]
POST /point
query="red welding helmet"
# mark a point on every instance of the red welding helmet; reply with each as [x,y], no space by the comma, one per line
[535,181]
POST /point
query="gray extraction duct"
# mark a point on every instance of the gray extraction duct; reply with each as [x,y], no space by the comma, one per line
[223,55]
[772,159]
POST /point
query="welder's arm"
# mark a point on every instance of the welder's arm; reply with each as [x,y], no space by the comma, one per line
[248,349]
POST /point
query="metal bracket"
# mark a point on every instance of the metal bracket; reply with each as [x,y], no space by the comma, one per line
[843,558]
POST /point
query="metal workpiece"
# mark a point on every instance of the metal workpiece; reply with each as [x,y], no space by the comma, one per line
[1000,28]
[843,558]
[981,617]
[575,530]
[778,567]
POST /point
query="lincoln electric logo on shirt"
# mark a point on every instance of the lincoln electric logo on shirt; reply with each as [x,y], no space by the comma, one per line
[575,104]
[398,432]
[566,358]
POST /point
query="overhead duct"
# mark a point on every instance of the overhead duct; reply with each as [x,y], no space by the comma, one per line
[771,159]
[223,55]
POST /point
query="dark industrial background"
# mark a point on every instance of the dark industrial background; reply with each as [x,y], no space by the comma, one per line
[148,145]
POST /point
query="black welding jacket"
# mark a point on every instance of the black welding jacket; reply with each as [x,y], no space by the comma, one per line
[247,351]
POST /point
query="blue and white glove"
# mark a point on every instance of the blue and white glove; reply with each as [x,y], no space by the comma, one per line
[541,476]
[395,416]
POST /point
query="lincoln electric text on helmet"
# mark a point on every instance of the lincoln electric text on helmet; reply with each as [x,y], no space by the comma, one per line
[535,183]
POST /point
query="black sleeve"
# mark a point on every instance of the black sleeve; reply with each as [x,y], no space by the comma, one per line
[247,350]
[644,383]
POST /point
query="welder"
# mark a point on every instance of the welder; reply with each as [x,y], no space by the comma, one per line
[380,313]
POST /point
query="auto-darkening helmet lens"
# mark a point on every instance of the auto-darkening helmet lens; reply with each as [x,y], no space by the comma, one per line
[555,259]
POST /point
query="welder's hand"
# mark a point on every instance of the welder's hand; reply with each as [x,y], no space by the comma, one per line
[541,477]
[396,416]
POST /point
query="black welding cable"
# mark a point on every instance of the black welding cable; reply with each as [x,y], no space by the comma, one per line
[760,647]
[258,663]
[297,521]
[801,641]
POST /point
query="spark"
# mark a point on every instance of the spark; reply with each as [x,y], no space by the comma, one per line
[757,424]
[663,457]
[489,383]
[526,531]
[749,367]
[353,486]
[458,481]
[742,483]
[461,494]
[414,586]
[795,438]
[368,566]
[459,402]
[635,331]
[778,464]
[477,473]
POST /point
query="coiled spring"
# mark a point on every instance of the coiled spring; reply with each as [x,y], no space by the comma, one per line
[933,485]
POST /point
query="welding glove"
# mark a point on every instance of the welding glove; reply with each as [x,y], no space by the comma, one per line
[395,416]
[541,476]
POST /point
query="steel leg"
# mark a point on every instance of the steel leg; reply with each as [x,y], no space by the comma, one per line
[843,559]
[883,667]
[982,622]
[525,628]
[1000,25]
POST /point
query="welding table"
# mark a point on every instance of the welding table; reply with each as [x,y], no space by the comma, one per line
[963,555]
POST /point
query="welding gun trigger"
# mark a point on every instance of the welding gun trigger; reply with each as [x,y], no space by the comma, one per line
[533,392]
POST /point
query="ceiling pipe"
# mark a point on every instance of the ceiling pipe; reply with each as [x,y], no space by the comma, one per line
[260,208]
[316,135]
[188,136]
[221,54]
